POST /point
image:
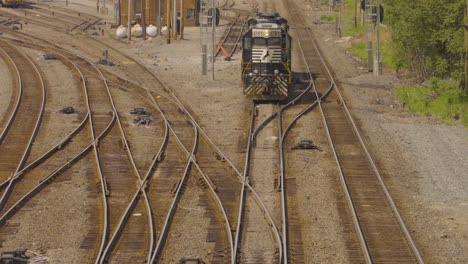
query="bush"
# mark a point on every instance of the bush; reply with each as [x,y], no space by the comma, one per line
[441,98]
[328,18]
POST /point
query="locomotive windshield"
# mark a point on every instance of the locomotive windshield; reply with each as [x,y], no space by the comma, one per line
[267,41]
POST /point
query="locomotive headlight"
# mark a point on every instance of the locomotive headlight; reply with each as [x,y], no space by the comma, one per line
[276,72]
[255,71]
[250,74]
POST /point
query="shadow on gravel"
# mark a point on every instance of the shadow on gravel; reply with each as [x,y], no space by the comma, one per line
[301,80]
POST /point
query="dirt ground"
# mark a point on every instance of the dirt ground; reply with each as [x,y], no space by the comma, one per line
[423,161]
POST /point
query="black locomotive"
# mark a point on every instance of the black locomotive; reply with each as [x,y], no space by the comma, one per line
[266,58]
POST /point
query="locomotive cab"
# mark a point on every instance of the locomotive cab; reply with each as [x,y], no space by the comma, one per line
[266,58]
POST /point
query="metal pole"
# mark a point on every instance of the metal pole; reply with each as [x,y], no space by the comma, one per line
[182,19]
[158,18]
[203,21]
[355,13]
[378,59]
[465,80]
[174,19]
[143,18]
[213,35]
[368,21]
[117,13]
[204,60]
[129,37]
[168,21]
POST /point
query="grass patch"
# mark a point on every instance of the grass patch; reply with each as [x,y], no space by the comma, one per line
[441,98]
[328,18]
[350,30]
[360,49]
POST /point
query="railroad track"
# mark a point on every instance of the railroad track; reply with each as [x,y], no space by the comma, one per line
[223,226]
[20,130]
[111,163]
[381,234]
[232,36]
[61,19]
[78,21]
[223,229]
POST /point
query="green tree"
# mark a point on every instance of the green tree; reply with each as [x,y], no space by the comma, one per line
[428,36]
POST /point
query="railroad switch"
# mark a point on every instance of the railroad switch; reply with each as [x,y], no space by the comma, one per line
[14,257]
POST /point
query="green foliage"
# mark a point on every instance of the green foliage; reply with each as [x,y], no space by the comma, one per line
[354,31]
[328,18]
[441,98]
[360,49]
[428,35]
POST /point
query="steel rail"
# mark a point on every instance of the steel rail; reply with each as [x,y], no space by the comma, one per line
[356,222]
[371,161]
[221,154]
[55,173]
[286,106]
[142,185]
[281,182]
[177,101]
[126,143]
[59,8]
[175,201]
[59,146]
[18,99]
[12,179]
[206,178]
[37,22]
[229,30]
[182,147]
[184,110]
[42,184]
[52,150]
[256,197]
[237,40]
[103,251]
[103,185]
[244,181]
[130,156]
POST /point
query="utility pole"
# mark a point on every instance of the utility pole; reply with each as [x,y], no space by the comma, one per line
[355,12]
[203,21]
[213,38]
[378,57]
[182,19]
[465,79]
[117,13]
[369,28]
[338,22]
[158,17]
[129,18]
[143,18]
[174,19]
[168,21]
